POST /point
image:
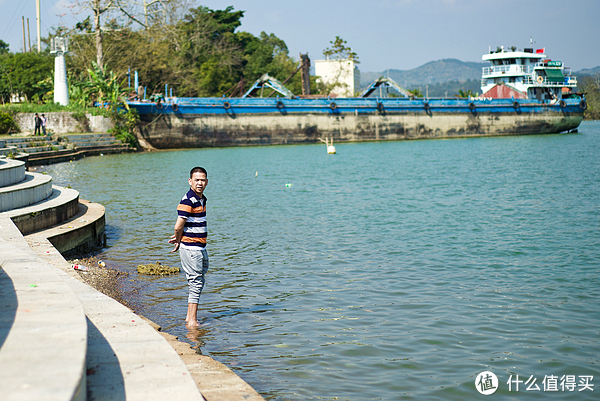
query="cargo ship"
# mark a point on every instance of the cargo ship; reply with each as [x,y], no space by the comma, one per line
[523,92]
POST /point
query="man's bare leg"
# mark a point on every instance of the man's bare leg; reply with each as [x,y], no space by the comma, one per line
[191,319]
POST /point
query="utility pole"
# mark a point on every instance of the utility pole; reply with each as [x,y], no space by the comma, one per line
[99,52]
[39,35]
[24,43]
[28,35]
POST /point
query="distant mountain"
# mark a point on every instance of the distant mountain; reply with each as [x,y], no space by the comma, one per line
[434,72]
[585,71]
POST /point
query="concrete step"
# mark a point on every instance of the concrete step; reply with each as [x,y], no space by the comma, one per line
[93,145]
[65,155]
[34,188]
[34,144]
[43,329]
[11,172]
[97,142]
[8,150]
[82,138]
[85,136]
[61,205]
[76,234]
[20,141]
[45,148]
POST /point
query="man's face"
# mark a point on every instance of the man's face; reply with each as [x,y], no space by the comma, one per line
[198,183]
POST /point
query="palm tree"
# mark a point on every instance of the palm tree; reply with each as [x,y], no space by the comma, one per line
[416,92]
[105,87]
[466,94]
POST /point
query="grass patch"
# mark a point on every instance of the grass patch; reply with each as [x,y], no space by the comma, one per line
[51,108]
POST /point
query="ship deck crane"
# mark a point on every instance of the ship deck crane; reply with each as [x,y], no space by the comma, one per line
[386,83]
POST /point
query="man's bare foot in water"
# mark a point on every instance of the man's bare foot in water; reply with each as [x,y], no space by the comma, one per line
[191,321]
[193,324]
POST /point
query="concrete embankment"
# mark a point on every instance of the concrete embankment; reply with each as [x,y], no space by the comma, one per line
[61,339]
[66,122]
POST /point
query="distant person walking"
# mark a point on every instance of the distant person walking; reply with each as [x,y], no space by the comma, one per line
[38,124]
[190,239]
[44,121]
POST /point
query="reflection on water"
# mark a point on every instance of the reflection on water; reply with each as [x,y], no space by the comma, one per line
[393,270]
[196,337]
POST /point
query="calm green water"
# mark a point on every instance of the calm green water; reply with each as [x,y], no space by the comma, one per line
[392,270]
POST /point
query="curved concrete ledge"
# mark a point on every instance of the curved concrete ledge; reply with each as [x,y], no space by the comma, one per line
[11,172]
[34,188]
[60,206]
[83,231]
[66,155]
[43,355]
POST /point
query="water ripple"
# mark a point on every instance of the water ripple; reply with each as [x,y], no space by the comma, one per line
[392,270]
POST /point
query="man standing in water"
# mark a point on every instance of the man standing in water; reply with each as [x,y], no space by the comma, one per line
[190,240]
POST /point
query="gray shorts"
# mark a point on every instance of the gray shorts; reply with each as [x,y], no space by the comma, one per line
[194,262]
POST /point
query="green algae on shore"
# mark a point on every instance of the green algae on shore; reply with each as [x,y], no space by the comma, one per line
[157,269]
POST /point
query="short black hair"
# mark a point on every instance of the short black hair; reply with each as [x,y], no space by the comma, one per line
[198,170]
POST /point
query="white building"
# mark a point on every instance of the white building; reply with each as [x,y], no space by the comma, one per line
[343,73]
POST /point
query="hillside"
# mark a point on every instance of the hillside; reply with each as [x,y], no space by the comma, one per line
[588,71]
[434,72]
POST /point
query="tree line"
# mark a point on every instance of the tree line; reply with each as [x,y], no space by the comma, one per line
[199,53]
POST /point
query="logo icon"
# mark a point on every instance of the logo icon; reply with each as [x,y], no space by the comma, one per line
[486,383]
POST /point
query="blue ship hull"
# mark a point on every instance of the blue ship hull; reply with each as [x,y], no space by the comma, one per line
[200,122]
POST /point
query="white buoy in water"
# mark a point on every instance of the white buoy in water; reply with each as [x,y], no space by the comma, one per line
[330,147]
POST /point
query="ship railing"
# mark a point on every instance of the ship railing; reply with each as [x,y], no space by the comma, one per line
[512,69]
[568,82]
[565,70]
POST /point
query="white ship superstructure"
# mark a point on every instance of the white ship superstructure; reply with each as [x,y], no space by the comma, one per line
[525,75]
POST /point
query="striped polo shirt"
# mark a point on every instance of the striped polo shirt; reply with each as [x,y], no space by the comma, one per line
[193,210]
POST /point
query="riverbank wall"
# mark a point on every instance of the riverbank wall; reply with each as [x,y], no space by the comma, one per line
[65,122]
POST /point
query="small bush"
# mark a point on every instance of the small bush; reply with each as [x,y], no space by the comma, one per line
[126,122]
[81,118]
[7,123]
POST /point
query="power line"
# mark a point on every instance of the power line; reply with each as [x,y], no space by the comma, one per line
[9,27]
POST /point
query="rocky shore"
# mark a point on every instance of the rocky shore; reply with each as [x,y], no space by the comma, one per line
[106,280]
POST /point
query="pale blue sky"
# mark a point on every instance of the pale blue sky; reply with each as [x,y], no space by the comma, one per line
[400,34]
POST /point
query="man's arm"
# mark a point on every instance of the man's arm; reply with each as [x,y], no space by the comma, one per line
[176,238]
